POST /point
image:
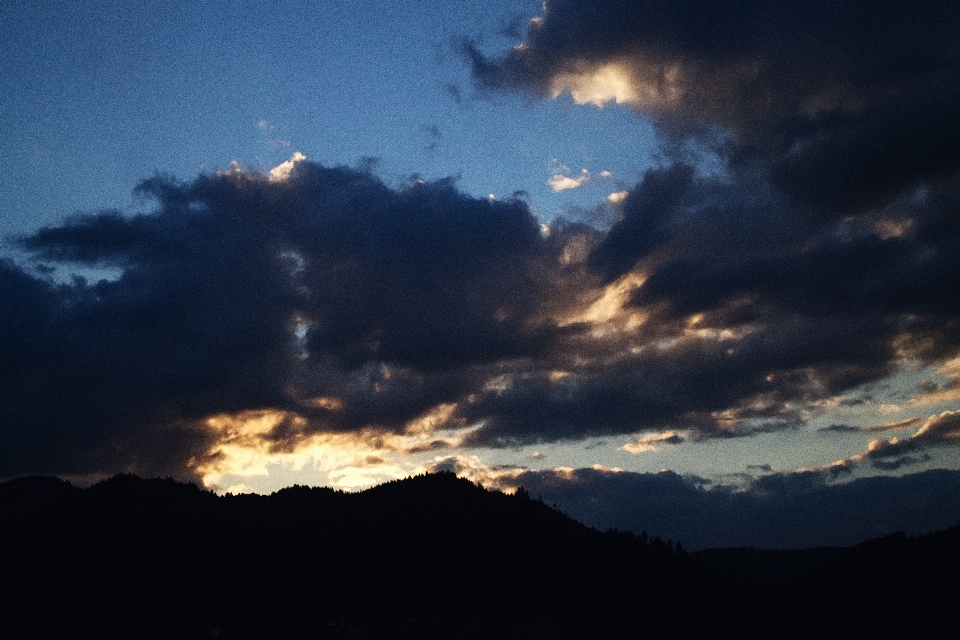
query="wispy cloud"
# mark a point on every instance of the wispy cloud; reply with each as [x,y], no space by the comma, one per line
[891,426]
[650,441]
[562,181]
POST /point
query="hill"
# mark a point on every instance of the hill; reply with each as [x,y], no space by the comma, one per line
[432,556]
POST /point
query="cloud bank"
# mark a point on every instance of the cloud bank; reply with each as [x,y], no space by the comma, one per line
[775,510]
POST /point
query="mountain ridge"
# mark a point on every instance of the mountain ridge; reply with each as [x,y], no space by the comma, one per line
[431,556]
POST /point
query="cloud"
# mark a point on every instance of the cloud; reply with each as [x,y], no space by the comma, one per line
[825,249]
[892,426]
[282,171]
[648,442]
[559,182]
[938,430]
[930,392]
[777,510]
[903,461]
[772,74]
[561,179]
[424,314]
[245,292]
[941,430]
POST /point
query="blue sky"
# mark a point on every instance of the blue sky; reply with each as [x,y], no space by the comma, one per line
[670,238]
[100,95]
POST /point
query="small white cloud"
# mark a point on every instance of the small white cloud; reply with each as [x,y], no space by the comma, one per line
[559,182]
[637,448]
[617,197]
[648,442]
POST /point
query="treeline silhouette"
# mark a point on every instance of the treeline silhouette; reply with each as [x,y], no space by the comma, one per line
[432,556]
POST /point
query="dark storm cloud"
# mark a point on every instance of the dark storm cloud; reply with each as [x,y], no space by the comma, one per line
[715,385]
[691,385]
[781,510]
[828,246]
[831,74]
[244,293]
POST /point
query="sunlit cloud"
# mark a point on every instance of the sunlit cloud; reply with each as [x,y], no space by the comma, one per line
[249,443]
[563,183]
[633,84]
[611,306]
[324,402]
[650,441]
[471,467]
[946,390]
[372,471]
[432,420]
[561,180]
[605,469]
[281,172]
[942,430]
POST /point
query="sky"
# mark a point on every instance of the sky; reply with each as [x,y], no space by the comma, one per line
[667,264]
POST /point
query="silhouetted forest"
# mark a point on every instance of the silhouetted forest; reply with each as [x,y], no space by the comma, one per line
[432,556]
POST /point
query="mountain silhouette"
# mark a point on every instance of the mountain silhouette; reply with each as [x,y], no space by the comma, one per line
[432,556]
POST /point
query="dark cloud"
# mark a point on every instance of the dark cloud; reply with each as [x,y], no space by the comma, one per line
[892,426]
[766,468]
[689,385]
[241,292]
[791,510]
[844,428]
[850,101]
[350,306]
[643,228]
[826,248]
[903,461]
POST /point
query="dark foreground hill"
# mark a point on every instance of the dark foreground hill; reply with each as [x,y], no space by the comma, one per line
[428,557]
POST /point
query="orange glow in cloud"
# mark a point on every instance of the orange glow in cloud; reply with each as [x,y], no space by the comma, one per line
[609,312]
[635,85]
[325,402]
[249,443]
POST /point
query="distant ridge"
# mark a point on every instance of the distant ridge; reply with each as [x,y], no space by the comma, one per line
[431,556]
